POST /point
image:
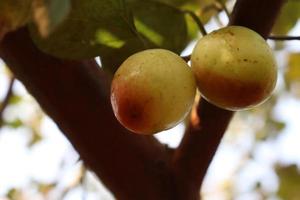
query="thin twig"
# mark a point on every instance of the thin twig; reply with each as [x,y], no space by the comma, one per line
[223,6]
[6,98]
[83,182]
[283,37]
[197,20]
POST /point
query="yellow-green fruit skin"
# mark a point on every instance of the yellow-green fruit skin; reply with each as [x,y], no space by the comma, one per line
[235,68]
[152,90]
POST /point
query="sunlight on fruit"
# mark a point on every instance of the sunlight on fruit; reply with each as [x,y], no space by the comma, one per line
[234,68]
[152,91]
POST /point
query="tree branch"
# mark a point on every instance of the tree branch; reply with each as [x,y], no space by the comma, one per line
[198,146]
[75,94]
[258,15]
[6,98]
[195,152]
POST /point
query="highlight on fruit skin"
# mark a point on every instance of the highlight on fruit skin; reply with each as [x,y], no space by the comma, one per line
[234,68]
[152,91]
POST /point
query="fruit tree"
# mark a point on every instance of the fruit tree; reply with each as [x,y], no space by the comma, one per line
[108,110]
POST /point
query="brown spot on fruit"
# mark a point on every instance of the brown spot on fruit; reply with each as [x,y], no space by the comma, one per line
[131,107]
[230,33]
[152,91]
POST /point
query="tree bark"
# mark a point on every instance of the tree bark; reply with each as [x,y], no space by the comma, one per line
[199,144]
[75,94]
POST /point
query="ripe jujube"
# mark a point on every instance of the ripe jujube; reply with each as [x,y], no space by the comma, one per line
[234,68]
[153,90]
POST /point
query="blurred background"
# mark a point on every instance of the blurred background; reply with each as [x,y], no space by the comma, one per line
[259,157]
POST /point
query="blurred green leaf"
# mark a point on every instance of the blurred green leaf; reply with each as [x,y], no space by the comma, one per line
[14,194]
[178,3]
[277,125]
[162,25]
[113,30]
[89,29]
[156,25]
[48,14]
[292,74]
[35,138]
[289,182]
[271,129]
[209,8]
[46,188]
[14,124]
[192,27]
[288,17]
[58,11]
[15,99]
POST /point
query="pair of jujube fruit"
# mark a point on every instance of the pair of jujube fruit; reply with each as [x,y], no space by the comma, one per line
[153,90]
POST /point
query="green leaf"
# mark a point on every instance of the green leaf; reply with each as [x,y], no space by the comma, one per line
[289,182]
[192,27]
[83,33]
[14,194]
[288,17]
[45,188]
[179,3]
[58,11]
[15,99]
[277,125]
[14,124]
[162,25]
[271,129]
[209,8]
[157,25]
[115,29]
[35,138]
[48,14]
[292,74]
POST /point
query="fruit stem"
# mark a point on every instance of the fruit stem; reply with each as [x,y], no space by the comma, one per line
[197,20]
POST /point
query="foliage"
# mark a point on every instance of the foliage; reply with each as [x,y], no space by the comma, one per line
[292,74]
[288,18]
[47,14]
[289,182]
[115,29]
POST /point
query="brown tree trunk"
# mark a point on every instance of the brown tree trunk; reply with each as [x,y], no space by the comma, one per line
[75,94]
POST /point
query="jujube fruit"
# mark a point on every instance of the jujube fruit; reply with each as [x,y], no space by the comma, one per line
[152,90]
[234,68]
